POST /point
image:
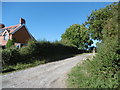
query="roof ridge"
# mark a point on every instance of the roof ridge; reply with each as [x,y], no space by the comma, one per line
[10,26]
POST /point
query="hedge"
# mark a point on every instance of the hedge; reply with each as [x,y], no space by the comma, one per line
[37,51]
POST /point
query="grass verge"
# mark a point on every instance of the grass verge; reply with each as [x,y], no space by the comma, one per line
[78,76]
[21,66]
[84,76]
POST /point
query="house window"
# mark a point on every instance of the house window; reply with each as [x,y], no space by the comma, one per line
[5,36]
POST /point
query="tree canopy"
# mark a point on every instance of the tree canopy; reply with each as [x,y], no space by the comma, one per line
[77,35]
[99,18]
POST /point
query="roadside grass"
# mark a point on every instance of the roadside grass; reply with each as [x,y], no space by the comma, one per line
[81,77]
[78,76]
[86,75]
[22,66]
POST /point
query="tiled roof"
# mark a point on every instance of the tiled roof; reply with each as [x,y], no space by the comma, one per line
[10,28]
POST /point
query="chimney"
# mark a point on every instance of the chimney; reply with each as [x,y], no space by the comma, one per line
[22,21]
[2,26]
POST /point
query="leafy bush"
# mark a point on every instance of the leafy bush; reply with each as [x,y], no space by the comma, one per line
[45,49]
[10,43]
[37,50]
[87,75]
[102,71]
[10,56]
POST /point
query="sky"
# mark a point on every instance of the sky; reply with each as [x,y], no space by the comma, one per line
[48,20]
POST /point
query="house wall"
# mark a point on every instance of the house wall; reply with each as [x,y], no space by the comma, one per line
[10,36]
[1,38]
[21,36]
[2,41]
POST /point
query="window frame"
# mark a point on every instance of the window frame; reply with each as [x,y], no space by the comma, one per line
[6,36]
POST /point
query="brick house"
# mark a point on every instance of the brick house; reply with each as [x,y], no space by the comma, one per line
[19,33]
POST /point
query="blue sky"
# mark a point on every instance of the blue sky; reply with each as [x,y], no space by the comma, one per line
[48,20]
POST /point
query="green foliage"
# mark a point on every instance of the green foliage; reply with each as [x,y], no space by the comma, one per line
[20,66]
[36,50]
[103,70]
[45,49]
[77,35]
[87,75]
[67,42]
[10,56]
[10,43]
[98,19]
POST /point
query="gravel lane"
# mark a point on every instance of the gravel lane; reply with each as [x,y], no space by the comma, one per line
[50,75]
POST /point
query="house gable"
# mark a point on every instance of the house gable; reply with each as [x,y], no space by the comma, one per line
[21,35]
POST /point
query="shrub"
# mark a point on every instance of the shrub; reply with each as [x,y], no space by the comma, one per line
[10,43]
[102,71]
[37,50]
[10,56]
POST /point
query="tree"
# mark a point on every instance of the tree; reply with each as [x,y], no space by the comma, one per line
[99,18]
[104,26]
[10,43]
[77,35]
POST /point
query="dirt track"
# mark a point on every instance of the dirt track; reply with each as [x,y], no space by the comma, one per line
[50,75]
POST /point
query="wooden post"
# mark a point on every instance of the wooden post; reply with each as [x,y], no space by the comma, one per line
[93,51]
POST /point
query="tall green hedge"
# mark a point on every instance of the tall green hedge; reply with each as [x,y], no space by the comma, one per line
[105,66]
[36,51]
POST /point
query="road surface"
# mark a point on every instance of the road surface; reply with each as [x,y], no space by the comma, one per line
[50,75]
